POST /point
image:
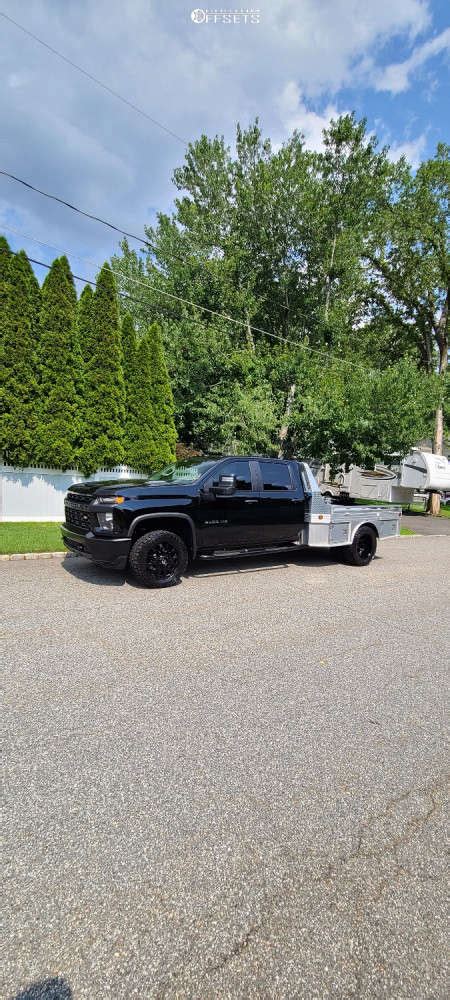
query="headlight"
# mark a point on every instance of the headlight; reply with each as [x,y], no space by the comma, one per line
[99,500]
[105,520]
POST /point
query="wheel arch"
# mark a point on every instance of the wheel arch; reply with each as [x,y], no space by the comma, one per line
[180,524]
[365,524]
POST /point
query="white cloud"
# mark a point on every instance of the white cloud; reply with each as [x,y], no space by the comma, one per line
[64,134]
[396,78]
[411,149]
[295,115]
[15,80]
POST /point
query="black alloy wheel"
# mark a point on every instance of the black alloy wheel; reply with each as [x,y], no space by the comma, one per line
[159,558]
[363,547]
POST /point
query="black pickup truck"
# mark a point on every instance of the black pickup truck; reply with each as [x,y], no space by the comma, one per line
[211,507]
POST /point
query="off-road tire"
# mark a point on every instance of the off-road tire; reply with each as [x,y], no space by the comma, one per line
[159,559]
[363,547]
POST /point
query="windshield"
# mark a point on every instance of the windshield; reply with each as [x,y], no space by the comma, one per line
[183,472]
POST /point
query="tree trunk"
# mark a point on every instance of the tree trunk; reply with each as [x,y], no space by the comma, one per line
[331,264]
[250,340]
[285,426]
[434,500]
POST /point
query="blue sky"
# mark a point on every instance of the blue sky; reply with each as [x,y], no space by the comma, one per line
[303,63]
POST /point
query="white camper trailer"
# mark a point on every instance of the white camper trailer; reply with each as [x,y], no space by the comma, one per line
[398,483]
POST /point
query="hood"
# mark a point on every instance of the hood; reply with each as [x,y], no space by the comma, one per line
[113,487]
[131,488]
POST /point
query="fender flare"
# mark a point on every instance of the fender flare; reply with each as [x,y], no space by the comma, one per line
[162,514]
[364,524]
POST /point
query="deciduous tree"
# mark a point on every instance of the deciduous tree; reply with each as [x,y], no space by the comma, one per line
[411,271]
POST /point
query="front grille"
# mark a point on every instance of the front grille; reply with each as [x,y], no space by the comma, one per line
[78,498]
[77,515]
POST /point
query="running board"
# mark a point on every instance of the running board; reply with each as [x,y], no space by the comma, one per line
[267,551]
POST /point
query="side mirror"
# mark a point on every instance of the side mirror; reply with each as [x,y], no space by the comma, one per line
[226,486]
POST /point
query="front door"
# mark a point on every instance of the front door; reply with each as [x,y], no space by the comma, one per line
[229,522]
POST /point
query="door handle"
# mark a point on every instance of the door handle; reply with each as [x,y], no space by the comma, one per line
[250,501]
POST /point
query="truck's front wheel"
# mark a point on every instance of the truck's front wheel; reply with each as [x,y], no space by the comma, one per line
[158,559]
[363,547]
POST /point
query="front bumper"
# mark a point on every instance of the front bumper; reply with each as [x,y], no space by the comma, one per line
[111,552]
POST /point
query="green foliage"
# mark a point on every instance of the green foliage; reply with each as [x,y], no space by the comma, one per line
[161,398]
[86,337]
[129,347]
[104,389]
[58,417]
[20,302]
[340,250]
[130,374]
[5,257]
[142,427]
[410,260]
[150,428]
[361,416]
[238,420]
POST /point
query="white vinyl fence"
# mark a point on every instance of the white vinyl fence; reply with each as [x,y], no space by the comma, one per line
[37,494]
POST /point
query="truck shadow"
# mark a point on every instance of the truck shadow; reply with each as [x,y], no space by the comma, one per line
[46,989]
[87,571]
[261,564]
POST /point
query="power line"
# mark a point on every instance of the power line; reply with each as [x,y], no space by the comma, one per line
[179,298]
[80,211]
[104,222]
[51,246]
[94,79]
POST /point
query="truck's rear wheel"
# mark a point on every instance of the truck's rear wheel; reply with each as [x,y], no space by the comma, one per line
[158,559]
[363,547]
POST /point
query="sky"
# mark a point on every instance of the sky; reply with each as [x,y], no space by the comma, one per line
[296,64]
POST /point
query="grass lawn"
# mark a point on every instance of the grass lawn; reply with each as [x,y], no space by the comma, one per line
[412,508]
[418,508]
[407,531]
[30,536]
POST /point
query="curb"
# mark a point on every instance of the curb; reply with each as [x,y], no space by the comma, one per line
[37,555]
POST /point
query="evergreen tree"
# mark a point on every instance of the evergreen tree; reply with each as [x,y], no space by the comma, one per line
[162,399]
[104,390]
[132,417]
[143,452]
[129,348]
[19,306]
[84,342]
[84,323]
[58,411]
[5,259]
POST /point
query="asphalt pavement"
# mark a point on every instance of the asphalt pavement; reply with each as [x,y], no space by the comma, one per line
[423,524]
[234,788]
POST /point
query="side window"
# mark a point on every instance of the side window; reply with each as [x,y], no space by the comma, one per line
[275,476]
[239,469]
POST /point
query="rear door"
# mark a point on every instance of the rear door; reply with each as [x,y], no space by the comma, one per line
[229,522]
[281,502]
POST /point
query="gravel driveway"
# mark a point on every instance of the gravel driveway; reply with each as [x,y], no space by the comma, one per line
[231,789]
